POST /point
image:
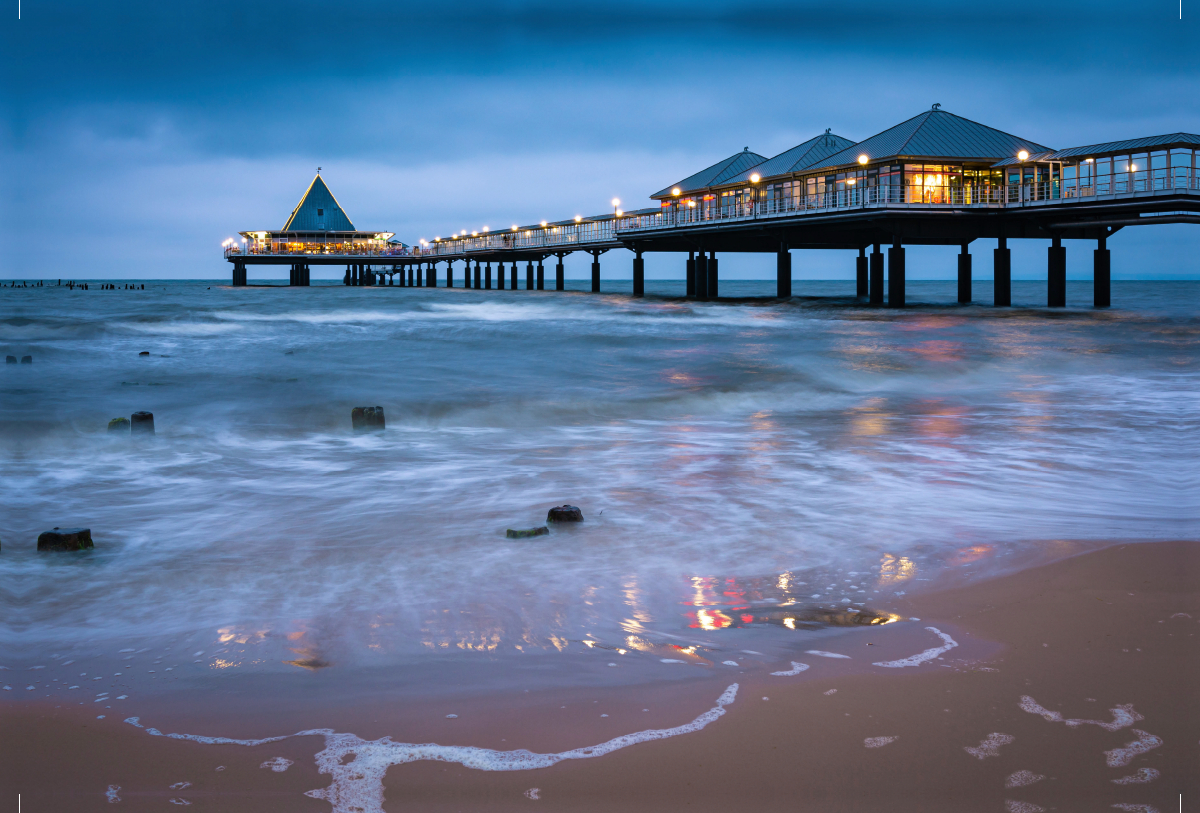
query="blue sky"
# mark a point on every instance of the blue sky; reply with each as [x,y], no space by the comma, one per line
[146,133]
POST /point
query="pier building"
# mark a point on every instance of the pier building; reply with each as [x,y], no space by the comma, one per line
[934,179]
[318,231]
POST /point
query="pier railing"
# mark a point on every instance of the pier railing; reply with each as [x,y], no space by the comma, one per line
[605,232]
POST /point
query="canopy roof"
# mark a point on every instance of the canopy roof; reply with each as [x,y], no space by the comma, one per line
[935,134]
[798,158]
[1161,142]
[717,173]
[318,210]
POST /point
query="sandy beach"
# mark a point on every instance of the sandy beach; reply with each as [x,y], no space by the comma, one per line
[1071,688]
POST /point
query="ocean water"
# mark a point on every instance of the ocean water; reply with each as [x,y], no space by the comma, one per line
[753,474]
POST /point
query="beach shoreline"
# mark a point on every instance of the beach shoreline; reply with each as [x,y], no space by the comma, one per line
[1080,636]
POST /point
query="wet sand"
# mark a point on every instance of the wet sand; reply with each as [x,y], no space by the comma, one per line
[1111,629]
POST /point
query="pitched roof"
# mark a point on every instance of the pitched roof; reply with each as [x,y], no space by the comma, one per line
[797,158]
[936,134]
[715,174]
[1129,145]
[318,198]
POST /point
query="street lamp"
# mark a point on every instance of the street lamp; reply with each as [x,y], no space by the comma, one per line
[1023,155]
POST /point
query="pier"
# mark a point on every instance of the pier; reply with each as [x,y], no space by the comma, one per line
[935,179]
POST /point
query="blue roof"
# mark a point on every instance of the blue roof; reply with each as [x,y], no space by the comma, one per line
[936,134]
[717,173]
[798,158]
[318,210]
[1160,142]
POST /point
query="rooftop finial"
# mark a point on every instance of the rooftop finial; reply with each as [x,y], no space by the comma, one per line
[745,149]
[828,130]
[937,105]
[318,170]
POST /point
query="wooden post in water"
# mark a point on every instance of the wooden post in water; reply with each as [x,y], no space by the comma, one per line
[1056,274]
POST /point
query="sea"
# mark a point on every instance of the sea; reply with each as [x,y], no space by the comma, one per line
[755,476]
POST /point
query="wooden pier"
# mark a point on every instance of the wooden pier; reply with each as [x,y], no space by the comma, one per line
[936,179]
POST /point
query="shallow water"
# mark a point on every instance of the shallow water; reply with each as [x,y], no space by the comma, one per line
[746,469]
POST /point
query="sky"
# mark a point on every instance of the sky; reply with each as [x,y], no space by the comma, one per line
[136,136]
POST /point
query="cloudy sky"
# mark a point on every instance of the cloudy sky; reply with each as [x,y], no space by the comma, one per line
[142,133]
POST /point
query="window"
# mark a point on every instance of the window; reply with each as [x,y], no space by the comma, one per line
[320,213]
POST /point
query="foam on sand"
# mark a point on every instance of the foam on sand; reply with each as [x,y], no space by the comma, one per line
[989,746]
[948,643]
[358,766]
[1123,715]
[796,669]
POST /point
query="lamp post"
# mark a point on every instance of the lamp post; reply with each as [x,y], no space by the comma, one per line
[754,179]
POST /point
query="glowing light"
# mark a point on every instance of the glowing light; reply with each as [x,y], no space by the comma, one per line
[1132,168]
[514,227]
[485,229]
[1090,160]
[578,218]
[616,202]
[676,191]
[692,204]
[790,623]
[620,213]
[862,159]
[755,178]
[543,224]
[474,234]
[851,181]
[1023,155]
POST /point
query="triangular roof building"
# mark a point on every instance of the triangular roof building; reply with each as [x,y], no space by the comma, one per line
[318,210]
[717,173]
[798,158]
[935,134]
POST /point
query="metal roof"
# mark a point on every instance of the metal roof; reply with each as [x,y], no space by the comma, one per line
[717,173]
[1113,147]
[935,134]
[800,157]
[317,196]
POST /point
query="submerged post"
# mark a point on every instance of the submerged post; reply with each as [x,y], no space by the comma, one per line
[639,274]
[1002,286]
[876,281]
[1056,274]
[529,276]
[595,272]
[513,278]
[964,275]
[896,275]
[487,276]
[783,272]
[478,276]
[691,274]
[1101,275]
[560,274]
[500,276]
[712,276]
[861,274]
[449,273]
[541,275]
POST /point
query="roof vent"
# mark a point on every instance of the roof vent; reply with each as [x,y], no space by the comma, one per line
[937,106]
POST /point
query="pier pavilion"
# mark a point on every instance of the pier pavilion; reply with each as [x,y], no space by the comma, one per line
[318,231]
[935,179]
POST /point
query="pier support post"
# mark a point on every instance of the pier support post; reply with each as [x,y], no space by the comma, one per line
[896,275]
[1102,275]
[783,272]
[346,276]
[239,274]
[478,276]
[411,273]
[862,273]
[529,276]
[595,272]
[1002,287]
[691,274]
[712,276]
[560,274]
[513,276]
[449,273]
[487,276]
[431,276]
[500,276]
[875,292]
[964,275]
[1056,275]
[702,276]
[541,275]
[639,274]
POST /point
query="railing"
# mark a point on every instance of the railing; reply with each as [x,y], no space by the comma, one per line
[605,233]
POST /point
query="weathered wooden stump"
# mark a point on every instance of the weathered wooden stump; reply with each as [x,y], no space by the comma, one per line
[526,533]
[141,423]
[368,419]
[60,540]
[118,425]
[564,513]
